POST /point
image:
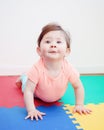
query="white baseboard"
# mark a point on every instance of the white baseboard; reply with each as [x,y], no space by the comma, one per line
[18,70]
[13,70]
[91,69]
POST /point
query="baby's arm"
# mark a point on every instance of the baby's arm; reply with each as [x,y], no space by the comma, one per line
[79,95]
[29,101]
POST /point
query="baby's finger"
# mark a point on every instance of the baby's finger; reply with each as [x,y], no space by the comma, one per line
[80,112]
[85,112]
[74,111]
[36,117]
[40,116]
[42,113]
[32,118]
[27,117]
[89,111]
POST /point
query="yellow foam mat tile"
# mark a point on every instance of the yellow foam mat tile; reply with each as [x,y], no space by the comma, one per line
[93,121]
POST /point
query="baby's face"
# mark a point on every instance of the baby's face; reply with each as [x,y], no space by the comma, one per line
[53,45]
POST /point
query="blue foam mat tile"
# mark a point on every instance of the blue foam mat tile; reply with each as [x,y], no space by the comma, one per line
[55,119]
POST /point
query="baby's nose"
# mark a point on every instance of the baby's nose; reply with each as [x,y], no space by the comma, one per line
[53,46]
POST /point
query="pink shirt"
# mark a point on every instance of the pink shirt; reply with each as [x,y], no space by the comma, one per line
[49,88]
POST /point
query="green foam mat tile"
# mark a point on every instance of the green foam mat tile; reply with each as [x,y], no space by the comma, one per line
[94,90]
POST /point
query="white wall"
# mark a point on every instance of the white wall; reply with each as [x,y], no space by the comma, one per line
[21,22]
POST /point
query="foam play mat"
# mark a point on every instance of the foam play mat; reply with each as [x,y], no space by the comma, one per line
[59,114]
[93,121]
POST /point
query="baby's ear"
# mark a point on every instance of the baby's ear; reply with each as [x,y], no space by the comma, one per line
[38,51]
[68,50]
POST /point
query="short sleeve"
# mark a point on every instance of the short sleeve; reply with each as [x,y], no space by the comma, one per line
[33,74]
[71,72]
[73,75]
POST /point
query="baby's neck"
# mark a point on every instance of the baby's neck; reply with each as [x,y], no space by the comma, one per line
[53,68]
[54,65]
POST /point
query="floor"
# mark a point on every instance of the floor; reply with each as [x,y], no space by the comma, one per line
[59,114]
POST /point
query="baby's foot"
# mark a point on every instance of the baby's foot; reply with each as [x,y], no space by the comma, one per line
[18,82]
[21,82]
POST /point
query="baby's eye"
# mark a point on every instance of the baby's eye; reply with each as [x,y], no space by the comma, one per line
[47,41]
[59,42]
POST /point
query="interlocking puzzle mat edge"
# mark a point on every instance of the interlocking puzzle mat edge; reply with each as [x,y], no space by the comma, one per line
[93,121]
[55,119]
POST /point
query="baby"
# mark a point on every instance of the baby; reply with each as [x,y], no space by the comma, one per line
[48,78]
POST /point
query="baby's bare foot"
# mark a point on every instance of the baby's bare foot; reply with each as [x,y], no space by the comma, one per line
[18,82]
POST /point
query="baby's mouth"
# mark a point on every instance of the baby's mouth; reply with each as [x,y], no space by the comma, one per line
[52,52]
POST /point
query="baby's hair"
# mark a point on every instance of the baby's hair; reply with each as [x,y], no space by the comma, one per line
[53,27]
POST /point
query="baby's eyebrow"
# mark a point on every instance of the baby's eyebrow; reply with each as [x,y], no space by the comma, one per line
[48,38]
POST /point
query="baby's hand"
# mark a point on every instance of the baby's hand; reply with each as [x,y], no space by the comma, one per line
[81,109]
[35,114]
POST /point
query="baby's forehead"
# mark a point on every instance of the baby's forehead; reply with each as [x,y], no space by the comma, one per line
[58,34]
